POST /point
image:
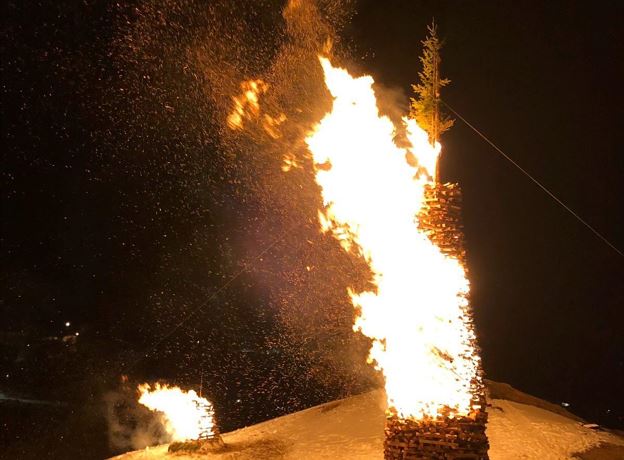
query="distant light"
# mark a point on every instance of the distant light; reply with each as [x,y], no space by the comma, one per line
[77,333]
[238,400]
[67,324]
[565,404]
[7,376]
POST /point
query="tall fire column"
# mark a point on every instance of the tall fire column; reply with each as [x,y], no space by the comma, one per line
[446,434]
[443,437]
[416,311]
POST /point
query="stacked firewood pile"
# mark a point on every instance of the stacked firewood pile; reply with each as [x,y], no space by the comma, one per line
[446,437]
[209,440]
[440,219]
[460,438]
[210,429]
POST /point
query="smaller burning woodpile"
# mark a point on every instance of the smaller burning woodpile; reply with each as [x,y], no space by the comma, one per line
[445,437]
[209,429]
[209,439]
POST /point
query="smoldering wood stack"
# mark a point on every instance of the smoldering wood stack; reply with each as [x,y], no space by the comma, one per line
[444,438]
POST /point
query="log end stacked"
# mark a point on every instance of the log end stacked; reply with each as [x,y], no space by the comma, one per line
[440,219]
[436,439]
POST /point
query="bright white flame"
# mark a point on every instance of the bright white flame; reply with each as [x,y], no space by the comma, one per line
[185,414]
[427,157]
[417,318]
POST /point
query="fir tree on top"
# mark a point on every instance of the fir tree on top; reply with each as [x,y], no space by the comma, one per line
[425,107]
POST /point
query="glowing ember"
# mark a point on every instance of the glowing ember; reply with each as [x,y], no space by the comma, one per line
[417,318]
[246,106]
[185,414]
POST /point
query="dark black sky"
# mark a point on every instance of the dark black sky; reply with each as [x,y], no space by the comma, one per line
[123,217]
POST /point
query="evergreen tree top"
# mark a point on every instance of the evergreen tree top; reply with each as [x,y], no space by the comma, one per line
[425,105]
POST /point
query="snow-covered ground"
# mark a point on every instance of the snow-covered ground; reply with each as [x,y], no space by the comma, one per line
[352,428]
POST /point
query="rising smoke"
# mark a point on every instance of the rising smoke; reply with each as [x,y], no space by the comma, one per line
[131,426]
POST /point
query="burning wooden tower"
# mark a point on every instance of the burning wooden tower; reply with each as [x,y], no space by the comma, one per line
[446,436]
[384,202]
[443,437]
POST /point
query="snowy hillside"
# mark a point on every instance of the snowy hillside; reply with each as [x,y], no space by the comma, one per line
[352,428]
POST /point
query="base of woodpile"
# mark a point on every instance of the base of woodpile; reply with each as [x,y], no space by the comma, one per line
[460,438]
[212,444]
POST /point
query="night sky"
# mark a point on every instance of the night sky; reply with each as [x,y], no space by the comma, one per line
[175,250]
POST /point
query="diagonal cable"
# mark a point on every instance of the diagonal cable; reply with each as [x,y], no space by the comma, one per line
[538,183]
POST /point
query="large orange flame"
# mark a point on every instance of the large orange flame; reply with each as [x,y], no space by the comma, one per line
[417,318]
[185,414]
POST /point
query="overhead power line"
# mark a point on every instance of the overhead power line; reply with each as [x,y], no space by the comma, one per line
[538,183]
